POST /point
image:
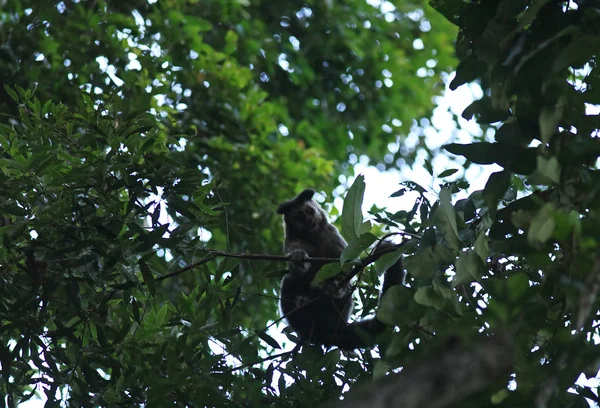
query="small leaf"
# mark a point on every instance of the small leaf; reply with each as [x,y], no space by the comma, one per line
[352,218]
[549,119]
[482,246]
[447,209]
[269,340]
[399,193]
[542,225]
[231,41]
[447,173]
[496,187]
[148,277]
[10,92]
[161,315]
[73,293]
[73,321]
[549,168]
[366,227]
[428,166]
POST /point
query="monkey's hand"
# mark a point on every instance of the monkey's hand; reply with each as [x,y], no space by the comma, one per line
[297,264]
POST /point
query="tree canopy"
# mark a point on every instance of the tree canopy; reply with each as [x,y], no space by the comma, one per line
[144,148]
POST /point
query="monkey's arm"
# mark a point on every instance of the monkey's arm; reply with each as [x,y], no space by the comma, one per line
[298,250]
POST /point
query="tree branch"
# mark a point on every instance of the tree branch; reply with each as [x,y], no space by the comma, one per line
[439,381]
[213,253]
[266,257]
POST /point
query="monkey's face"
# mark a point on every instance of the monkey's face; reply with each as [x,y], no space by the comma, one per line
[306,217]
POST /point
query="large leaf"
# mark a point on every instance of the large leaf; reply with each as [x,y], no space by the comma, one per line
[496,187]
[469,268]
[352,217]
[356,246]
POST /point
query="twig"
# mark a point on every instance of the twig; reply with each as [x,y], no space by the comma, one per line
[185,269]
[272,357]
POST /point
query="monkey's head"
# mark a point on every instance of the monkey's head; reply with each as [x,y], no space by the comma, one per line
[302,213]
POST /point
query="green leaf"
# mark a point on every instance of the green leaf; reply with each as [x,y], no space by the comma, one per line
[398,308]
[11,93]
[352,217]
[443,287]
[469,268]
[423,264]
[482,246]
[366,227]
[356,246]
[447,211]
[387,260]
[231,40]
[327,271]
[542,225]
[161,316]
[496,188]
[577,53]
[518,287]
[428,296]
[74,320]
[549,119]
[148,277]
[549,169]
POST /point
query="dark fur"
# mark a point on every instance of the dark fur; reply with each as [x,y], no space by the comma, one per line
[319,314]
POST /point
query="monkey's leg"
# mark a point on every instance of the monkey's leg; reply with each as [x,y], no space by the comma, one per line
[359,335]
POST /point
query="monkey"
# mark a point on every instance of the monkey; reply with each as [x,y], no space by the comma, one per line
[319,314]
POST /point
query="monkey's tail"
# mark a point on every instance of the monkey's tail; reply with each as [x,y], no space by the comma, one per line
[363,334]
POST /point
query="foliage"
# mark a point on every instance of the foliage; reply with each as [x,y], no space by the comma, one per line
[133,132]
[136,134]
[530,237]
